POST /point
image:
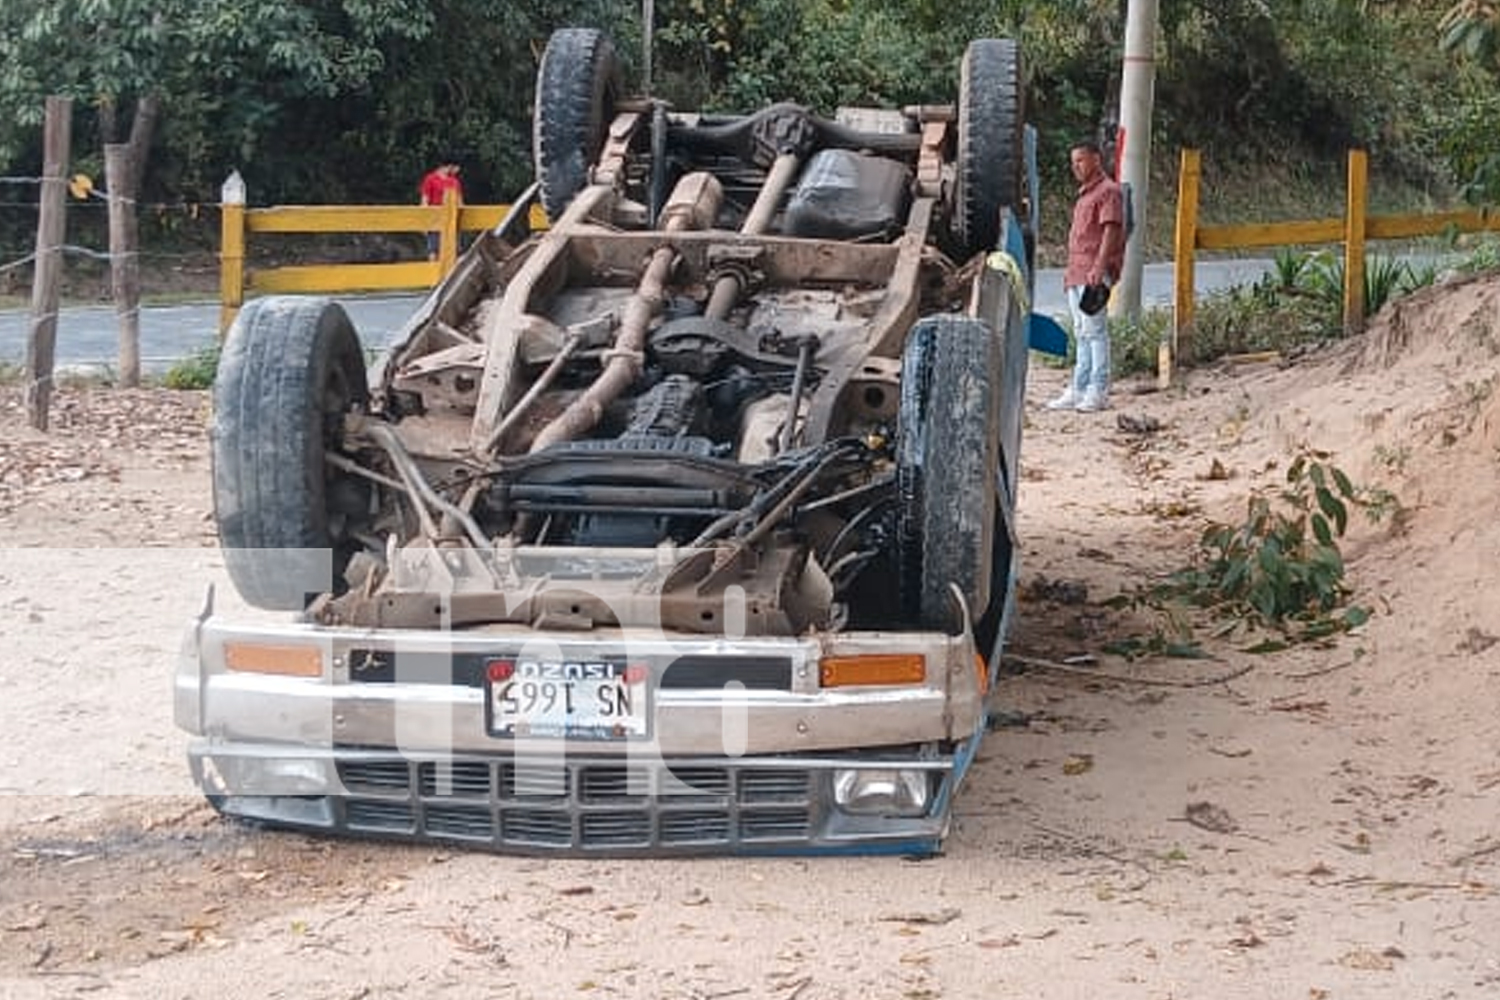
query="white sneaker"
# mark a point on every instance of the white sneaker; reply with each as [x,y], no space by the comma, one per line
[1067,401]
[1092,402]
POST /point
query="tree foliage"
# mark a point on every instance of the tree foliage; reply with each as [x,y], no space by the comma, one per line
[333,100]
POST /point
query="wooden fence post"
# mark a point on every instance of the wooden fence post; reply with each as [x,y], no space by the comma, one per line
[1354,243]
[448,235]
[41,345]
[1184,276]
[231,250]
[124,259]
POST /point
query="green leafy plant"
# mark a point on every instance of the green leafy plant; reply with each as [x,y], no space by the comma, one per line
[196,371]
[1288,267]
[1483,256]
[1281,568]
[1135,343]
[1282,561]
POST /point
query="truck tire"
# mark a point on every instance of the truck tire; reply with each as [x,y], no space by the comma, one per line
[991,147]
[947,471]
[290,370]
[576,87]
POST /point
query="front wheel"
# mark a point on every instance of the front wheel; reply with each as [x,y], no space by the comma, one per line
[290,371]
[948,458]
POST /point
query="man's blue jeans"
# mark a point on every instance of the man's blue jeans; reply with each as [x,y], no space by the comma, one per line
[1091,335]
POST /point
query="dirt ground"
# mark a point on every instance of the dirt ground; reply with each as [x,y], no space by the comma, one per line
[1323,825]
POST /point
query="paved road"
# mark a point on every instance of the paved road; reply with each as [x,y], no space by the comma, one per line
[87,336]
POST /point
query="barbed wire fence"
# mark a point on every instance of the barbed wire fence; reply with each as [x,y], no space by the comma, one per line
[19,258]
[15,258]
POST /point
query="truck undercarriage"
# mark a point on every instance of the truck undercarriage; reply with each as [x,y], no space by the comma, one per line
[684,525]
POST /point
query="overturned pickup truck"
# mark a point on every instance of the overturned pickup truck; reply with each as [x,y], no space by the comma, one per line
[682,526]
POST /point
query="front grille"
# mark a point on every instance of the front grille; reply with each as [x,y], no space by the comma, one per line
[580,804]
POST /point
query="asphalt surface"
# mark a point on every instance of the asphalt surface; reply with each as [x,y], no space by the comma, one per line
[87,337]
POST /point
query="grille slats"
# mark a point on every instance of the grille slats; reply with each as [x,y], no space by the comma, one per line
[773,824]
[460,779]
[375,776]
[693,784]
[589,804]
[534,781]
[536,826]
[459,823]
[774,785]
[612,783]
[381,817]
[697,827]
[615,829]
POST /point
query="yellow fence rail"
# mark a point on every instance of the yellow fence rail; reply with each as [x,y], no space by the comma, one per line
[1354,230]
[450,221]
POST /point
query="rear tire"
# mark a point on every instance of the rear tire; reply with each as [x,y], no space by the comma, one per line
[576,87]
[991,146]
[948,458]
[291,369]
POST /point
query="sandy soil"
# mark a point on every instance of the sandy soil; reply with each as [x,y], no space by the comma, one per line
[1323,825]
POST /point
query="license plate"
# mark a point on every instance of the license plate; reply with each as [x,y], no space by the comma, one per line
[590,699]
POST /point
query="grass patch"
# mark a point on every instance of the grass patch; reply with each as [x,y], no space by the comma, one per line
[196,371]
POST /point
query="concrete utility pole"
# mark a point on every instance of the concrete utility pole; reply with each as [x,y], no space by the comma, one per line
[1137,94]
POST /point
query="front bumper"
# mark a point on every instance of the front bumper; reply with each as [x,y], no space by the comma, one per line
[405,752]
[578,806]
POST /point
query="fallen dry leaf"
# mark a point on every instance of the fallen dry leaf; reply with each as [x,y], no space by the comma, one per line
[1009,941]
[1078,763]
[1367,961]
[935,918]
[1207,816]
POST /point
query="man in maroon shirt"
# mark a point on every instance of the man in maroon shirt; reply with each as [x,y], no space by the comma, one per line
[1096,254]
[436,184]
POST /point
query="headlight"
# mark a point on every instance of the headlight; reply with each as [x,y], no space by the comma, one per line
[267,776]
[882,792]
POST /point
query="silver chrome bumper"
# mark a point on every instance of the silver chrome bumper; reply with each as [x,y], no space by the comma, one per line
[403,750]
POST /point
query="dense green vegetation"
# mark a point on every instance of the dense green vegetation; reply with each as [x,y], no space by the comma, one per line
[350,100]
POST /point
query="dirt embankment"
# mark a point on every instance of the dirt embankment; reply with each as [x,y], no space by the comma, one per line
[1321,826]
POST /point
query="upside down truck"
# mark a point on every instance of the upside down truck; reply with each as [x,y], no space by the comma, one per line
[684,525]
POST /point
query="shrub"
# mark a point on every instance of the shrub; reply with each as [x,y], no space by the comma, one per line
[194,372]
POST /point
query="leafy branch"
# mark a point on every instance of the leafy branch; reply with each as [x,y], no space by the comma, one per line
[1281,568]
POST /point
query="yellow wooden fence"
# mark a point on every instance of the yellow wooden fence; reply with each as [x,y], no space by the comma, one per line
[1354,230]
[240,223]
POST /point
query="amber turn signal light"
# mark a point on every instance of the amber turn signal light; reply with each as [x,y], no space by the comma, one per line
[283,661]
[877,669]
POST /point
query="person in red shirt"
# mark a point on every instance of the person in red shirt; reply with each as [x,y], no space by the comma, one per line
[1096,255]
[436,184]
